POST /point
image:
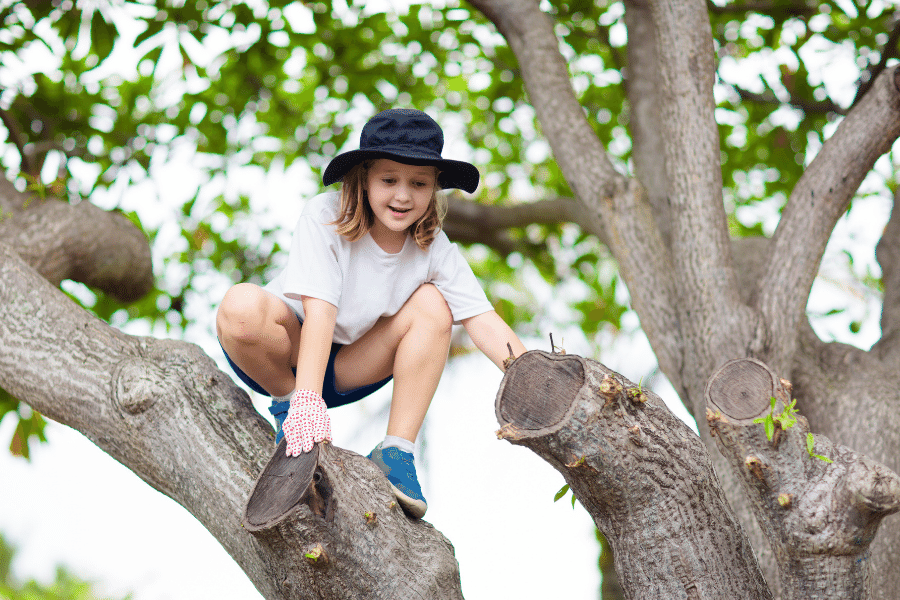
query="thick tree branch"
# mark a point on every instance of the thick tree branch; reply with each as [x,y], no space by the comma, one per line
[642,83]
[163,409]
[814,207]
[888,254]
[850,394]
[706,280]
[488,224]
[639,471]
[819,516]
[80,242]
[616,206]
[516,216]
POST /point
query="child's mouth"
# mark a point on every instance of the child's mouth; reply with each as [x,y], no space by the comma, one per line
[399,211]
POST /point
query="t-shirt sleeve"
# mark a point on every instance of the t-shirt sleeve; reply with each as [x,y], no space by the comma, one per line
[453,277]
[313,268]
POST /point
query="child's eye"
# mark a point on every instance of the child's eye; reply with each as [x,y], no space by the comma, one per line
[388,180]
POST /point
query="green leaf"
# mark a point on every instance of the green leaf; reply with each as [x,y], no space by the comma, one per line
[562,492]
[810,446]
[28,428]
[787,418]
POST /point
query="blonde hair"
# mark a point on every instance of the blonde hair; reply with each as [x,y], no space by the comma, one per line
[355,216]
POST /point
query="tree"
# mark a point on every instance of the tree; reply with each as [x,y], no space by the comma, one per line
[648,162]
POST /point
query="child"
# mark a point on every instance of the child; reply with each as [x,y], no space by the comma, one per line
[370,291]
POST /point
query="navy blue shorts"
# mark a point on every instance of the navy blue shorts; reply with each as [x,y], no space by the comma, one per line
[333,398]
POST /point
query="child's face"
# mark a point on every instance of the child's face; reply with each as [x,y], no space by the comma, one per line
[399,194]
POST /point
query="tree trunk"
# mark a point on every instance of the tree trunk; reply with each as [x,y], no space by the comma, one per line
[668,234]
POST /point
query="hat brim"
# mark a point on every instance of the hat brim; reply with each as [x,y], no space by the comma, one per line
[454,173]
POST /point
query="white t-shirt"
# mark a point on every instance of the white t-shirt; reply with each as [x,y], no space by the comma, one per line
[363,281]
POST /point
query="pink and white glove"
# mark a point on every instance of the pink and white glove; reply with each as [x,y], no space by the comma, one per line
[306,422]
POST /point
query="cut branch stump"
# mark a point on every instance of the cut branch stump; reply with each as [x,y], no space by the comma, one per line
[330,516]
[818,503]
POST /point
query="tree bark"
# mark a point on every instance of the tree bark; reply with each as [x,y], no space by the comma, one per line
[888,254]
[641,473]
[642,84]
[163,409]
[850,395]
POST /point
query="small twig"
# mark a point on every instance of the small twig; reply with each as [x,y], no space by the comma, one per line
[553,346]
[512,357]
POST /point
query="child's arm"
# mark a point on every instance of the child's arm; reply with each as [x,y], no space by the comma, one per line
[491,334]
[307,421]
[316,335]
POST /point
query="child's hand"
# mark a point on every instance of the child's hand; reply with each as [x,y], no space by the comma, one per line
[306,422]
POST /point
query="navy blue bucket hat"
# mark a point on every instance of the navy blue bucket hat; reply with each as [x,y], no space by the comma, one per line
[408,136]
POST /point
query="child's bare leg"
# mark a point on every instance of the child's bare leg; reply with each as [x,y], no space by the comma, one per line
[419,363]
[260,333]
[413,346]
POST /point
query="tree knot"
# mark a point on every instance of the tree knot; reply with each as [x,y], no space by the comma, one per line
[137,384]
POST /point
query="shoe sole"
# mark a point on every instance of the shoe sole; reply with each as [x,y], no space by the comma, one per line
[415,508]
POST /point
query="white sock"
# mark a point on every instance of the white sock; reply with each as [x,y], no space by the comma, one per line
[399,442]
[284,398]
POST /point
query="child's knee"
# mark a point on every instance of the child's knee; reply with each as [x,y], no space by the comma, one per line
[241,312]
[430,303]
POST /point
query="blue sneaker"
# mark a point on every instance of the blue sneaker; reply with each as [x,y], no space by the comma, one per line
[279,410]
[400,470]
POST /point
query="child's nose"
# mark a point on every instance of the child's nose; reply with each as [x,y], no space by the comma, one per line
[404,191]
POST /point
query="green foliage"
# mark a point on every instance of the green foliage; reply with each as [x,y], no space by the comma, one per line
[771,126]
[65,587]
[275,82]
[785,420]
